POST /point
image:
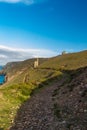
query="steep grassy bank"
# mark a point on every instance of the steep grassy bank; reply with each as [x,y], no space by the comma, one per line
[70,61]
[59,106]
[23,79]
[19,90]
[10,99]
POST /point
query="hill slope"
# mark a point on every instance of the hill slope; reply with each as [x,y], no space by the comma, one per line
[61,106]
[62,62]
[67,61]
[24,80]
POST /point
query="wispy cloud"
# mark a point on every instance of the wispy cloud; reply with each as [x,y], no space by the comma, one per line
[27,2]
[8,54]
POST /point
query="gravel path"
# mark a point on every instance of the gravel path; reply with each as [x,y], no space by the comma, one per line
[68,102]
[37,112]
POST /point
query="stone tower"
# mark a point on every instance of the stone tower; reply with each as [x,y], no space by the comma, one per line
[36,63]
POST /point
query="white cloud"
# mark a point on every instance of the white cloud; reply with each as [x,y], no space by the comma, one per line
[3,56]
[28,2]
[8,54]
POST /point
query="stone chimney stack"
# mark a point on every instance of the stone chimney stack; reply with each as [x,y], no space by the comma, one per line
[36,63]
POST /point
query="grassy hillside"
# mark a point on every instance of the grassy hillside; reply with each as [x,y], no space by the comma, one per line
[67,61]
[19,90]
[13,68]
[61,106]
[15,93]
[23,79]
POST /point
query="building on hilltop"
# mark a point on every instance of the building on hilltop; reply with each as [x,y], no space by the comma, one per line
[36,63]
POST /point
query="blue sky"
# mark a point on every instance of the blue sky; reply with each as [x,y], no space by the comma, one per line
[43,27]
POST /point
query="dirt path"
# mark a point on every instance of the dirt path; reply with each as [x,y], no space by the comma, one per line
[70,102]
[37,113]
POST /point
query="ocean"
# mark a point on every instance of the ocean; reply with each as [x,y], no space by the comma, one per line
[2,77]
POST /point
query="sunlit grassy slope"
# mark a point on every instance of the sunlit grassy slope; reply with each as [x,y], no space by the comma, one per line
[67,61]
[23,78]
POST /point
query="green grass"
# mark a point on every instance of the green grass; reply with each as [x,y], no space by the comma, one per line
[20,89]
[11,98]
[27,79]
[67,61]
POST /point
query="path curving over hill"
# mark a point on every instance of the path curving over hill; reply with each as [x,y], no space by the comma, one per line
[37,113]
[61,106]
